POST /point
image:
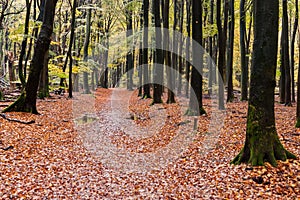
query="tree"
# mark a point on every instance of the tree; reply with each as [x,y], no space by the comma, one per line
[285,52]
[262,142]
[222,31]
[24,42]
[167,54]
[129,56]
[244,64]
[230,95]
[69,54]
[27,101]
[158,65]
[188,44]
[293,50]
[85,50]
[195,104]
[145,49]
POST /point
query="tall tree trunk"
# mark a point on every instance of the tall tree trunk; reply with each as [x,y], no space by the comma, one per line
[293,50]
[146,85]
[212,72]
[188,44]
[262,142]
[244,65]
[158,64]
[180,59]
[174,61]
[196,104]
[69,54]
[221,57]
[24,43]
[27,101]
[167,54]
[85,50]
[286,58]
[298,93]
[140,67]
[230,95]
[129,56]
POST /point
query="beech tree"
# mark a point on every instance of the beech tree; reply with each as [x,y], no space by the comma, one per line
[262,142]
[196,104]
[27,101]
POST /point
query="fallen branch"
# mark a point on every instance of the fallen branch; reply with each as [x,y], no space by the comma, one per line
[16,120]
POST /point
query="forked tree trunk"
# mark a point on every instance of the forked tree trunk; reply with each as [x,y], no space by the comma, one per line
[262,142]
[27,101]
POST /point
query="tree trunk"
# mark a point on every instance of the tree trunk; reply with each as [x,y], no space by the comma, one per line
[70,48]
[146,85]
[180,59]
[27,101]
[262,142]
[221,58]
[86,89]
[293,50]
[195,104]
[188,44]
[167,54]
[129,56]
[286,58]
[24,43]
[230,95]
[244,65]
[212,72]
[158,64]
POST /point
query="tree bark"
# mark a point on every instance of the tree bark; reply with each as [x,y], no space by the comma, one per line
[129,56]
[167,54]
[196,104]
[188,44]
[262,142]
[286,58]
[230,95]
[86,87]
[146,85]
[293,50]
[158,65]
[244,65]
[24,44]
[221,58]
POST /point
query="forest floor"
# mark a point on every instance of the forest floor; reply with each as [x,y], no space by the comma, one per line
[113,145]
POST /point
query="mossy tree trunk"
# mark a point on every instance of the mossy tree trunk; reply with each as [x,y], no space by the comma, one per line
[262,142]
[27,101]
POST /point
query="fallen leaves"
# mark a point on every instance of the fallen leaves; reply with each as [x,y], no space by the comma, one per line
[50,161]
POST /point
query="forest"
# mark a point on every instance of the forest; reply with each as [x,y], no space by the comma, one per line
[149,99]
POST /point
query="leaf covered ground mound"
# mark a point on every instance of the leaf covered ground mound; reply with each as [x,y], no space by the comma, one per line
[48,158]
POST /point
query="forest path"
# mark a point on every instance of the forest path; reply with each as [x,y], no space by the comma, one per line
[50,158]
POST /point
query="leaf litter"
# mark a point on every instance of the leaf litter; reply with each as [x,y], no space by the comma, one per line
[48,159]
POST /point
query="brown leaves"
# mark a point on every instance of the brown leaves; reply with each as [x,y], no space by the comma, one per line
[49,159]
